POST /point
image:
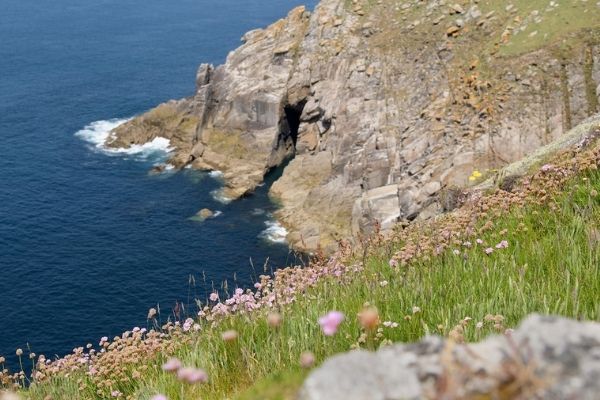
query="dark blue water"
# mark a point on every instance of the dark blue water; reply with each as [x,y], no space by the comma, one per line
[89,241]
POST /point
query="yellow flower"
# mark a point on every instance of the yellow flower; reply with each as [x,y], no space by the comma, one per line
[477,174]
[472,178]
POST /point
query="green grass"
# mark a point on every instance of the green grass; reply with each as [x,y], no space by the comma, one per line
[550,267]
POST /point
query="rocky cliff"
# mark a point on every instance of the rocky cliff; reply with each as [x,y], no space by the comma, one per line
[382,105]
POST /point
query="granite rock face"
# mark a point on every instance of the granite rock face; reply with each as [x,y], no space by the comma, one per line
[545,358]
[381,106]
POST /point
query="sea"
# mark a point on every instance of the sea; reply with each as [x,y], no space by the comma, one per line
[89,238]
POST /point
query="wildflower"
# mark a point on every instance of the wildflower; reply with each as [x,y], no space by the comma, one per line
[502,245]
[394,263]
[479,241]
[274,320]
[229,336]
[390,324]
[214,296]
[467,244]
[593,193]
[383,283]
[307,359]
[159,397]
[489,250]
[2,360]
[416,309]
[479,325]
[456,252]
[369,318]
[187,325]
[115,393]
[547,167]
[330,322]
[172,365]
[152,313]
[192,375]
[19,352]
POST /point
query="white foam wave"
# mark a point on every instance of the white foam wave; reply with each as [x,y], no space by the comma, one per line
[98,132]
[215,174]
[275,232]
[217,213]
[220,197]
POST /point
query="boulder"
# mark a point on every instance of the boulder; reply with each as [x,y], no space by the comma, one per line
[546,357]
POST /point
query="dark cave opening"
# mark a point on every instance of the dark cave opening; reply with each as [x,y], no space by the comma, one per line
[291,122]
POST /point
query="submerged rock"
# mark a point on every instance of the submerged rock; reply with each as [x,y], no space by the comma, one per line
[546,358]
[378,120]
[203,215]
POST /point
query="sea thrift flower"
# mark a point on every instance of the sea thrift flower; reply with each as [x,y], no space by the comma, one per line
[159,397]
[479,325]
[274,320]
[172,365]
[593,193]
[187,325]
[489,250]
[502,245]
[229,336]
[390,324]
[467,244]
[330,322]
[307,359]
[479,241]
[416,310]
[19,352]
[547,167]
[214,296]
[369,318]
[383,283]
[115,393]
[152,313]
[456,252]
[394,263]
[192,375]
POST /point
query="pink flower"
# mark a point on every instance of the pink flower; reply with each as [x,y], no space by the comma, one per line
[467,244]
[214,296]
[479,241]
[192,375]
[502,245]
[229,336]
[394,263]
[330,322]
[115,393]
[187,325]
[489,250]
[547,167]
[456,252]
[172,365]
[307,359]
[159,397]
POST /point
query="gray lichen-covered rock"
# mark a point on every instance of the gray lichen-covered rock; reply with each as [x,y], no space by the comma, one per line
[381,107]
[546,358]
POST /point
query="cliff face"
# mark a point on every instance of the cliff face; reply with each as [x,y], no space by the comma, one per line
[382,105]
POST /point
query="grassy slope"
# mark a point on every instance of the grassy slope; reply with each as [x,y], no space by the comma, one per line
[550,266]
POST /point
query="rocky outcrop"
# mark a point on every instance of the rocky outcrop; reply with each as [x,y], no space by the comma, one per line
[545,358]
[381,104]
